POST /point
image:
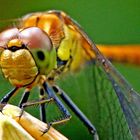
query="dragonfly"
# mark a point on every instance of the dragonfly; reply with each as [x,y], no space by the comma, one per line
[46,45]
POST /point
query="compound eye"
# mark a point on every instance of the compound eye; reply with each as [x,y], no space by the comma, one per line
[7,35]
[36,38]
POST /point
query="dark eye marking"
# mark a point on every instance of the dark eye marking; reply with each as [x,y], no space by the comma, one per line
[15,48]
[40,55]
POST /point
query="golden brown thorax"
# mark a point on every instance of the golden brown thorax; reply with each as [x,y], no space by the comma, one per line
[18,66]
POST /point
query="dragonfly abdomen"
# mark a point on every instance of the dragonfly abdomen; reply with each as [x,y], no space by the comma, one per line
[122,53]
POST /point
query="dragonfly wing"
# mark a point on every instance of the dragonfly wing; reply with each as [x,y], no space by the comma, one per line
[128,98]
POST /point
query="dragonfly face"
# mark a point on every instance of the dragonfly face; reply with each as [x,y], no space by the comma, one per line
[17,62]
[45,43]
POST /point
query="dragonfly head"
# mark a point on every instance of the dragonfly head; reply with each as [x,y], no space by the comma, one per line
[26,53]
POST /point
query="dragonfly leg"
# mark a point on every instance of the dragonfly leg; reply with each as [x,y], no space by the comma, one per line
[42,106]
[28,104]
[60,105]
[32,103]
[77,111]
[24,98]
[7,97]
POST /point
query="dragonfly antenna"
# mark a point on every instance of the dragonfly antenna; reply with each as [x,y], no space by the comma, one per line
[10,20]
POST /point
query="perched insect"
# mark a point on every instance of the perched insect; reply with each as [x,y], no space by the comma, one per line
[48,44]
[40,49]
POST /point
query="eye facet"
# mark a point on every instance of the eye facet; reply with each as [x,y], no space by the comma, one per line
[8,35]
[35,38]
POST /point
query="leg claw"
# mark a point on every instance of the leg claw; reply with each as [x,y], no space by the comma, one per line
[47,129]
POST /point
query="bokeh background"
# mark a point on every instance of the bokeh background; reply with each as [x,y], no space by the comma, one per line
[106,21]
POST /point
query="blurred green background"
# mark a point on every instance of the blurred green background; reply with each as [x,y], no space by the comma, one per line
[106,21]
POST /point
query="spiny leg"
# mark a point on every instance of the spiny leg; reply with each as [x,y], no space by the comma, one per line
[32,103]
[24,98]
[60,105]
[23,102]
[42,106]
[77,111]
[7,97]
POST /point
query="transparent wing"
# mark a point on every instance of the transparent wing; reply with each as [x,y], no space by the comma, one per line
[117,104]
[129,100]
